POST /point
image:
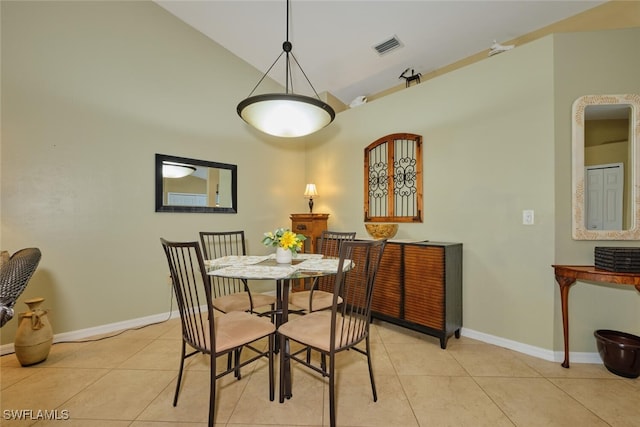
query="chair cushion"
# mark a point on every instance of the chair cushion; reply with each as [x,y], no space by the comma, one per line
[314,329]
[233,302]
[237,328]
[321,300]
[260,300]
[300,299]
[240,302]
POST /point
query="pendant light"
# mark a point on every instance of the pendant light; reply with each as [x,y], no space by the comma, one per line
[176,170]
[286,114]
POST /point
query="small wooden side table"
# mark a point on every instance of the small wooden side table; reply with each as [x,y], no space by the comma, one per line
[311,225]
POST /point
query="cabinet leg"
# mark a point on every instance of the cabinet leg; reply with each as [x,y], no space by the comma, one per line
[457,333]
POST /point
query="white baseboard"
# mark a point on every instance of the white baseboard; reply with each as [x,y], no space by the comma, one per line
[540,353]
[102,329]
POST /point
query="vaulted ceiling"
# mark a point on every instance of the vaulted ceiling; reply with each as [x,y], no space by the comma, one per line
[333,40]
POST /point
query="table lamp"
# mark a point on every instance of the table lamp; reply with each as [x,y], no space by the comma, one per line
[309,192]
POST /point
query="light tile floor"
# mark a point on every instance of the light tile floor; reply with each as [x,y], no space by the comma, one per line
[129,380]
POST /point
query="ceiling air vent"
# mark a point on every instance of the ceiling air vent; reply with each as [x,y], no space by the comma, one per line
[388,45]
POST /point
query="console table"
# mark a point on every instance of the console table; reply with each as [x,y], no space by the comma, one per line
[566,275]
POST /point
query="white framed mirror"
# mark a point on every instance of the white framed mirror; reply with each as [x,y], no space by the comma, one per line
[606,167]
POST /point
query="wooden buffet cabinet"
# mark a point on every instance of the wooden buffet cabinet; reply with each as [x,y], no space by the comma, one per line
[419,286]
[310,225]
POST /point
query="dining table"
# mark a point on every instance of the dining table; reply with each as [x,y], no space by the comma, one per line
[265,267]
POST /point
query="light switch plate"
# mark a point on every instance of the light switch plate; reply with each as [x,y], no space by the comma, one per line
[527,217]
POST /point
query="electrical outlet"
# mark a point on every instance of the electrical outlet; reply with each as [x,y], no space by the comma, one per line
[527,217]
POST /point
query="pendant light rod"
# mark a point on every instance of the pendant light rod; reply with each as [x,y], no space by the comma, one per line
[286,114]
[287,47]
[287,33]
[288,75]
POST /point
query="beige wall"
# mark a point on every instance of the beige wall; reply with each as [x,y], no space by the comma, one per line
[615,152]
[85,108]
[186,184]
[584,65]
[597,132]
[90,92]
[488,154]
[497,141]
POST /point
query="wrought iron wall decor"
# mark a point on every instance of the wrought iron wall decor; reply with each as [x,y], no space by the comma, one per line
[393,179]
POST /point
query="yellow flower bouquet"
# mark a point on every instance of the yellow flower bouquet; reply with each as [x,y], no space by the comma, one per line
[285,239]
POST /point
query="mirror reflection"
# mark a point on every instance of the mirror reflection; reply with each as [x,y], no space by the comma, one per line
[605,178]
[192,185]
[606,160]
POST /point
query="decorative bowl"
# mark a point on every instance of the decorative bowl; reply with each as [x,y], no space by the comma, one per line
[620,352]
[381,231]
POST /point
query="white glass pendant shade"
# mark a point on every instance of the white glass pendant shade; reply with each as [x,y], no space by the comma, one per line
[176,170]
[285,115]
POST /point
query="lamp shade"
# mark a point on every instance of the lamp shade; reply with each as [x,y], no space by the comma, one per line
[176,170]
[310,190]
[285,114]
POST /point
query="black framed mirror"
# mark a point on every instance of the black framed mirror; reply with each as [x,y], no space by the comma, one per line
[193,185]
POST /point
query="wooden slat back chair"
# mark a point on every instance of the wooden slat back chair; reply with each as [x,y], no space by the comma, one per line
[215,335]
[231,294]
[320,296]
[342,327]
[14,277]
